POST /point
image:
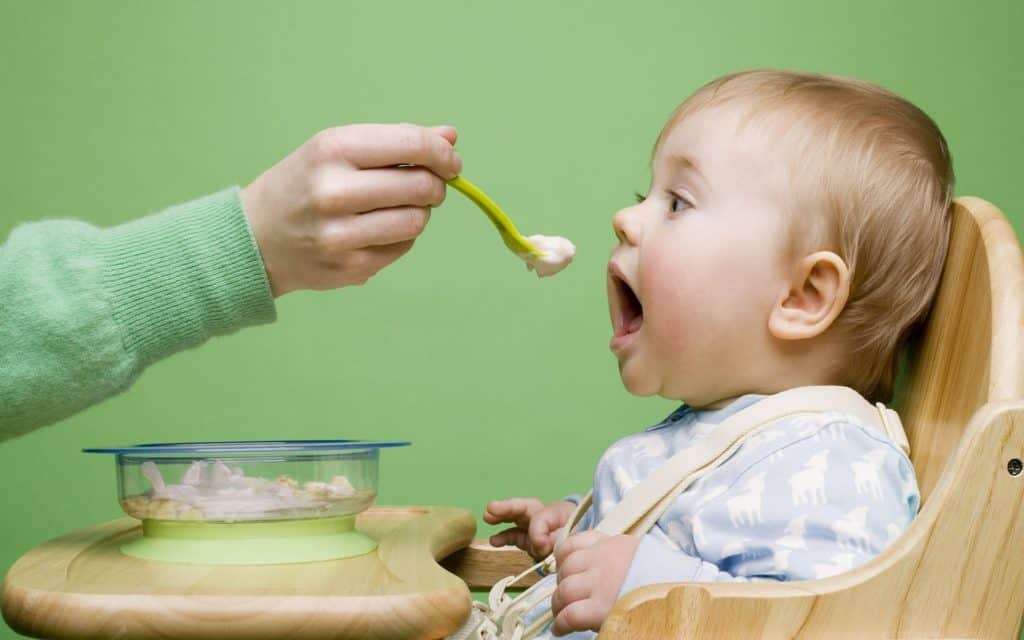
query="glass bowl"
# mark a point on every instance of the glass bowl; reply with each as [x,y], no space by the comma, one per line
[253,481]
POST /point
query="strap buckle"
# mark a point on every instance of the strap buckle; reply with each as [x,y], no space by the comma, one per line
[893,427]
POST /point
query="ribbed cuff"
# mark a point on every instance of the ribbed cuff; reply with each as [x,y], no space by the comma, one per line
[180,276]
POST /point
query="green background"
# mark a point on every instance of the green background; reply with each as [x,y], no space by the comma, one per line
[503,383]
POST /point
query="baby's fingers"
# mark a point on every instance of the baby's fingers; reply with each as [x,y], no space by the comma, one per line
[517,510]
[543,528]
[576,543]
[516,537]
[582,615]
[570,589]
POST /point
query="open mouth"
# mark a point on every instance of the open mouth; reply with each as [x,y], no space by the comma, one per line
[627,311]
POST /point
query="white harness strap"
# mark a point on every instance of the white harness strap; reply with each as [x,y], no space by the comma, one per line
[641,507]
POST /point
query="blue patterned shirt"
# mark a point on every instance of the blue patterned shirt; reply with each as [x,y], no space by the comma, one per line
[811,496]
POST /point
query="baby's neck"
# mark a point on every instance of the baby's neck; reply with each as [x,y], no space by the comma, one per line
[787,367]
[780,383]
[718,404]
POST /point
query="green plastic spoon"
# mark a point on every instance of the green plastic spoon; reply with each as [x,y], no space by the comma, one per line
[509,234]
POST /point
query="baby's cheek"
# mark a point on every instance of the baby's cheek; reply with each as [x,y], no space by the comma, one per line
[692,326]
[675,296]
[672,323]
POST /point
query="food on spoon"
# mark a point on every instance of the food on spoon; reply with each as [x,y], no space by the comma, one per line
[556,254]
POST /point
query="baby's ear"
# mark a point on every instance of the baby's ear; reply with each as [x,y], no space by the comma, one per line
[813,299]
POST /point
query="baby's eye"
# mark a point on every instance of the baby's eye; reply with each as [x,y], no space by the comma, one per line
[639,197]
[679,203]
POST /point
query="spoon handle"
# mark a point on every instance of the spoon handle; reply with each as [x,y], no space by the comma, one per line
[513,239]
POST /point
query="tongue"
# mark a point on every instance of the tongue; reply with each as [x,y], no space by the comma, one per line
[634,324]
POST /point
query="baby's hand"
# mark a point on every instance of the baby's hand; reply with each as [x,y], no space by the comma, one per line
[591,569]
[348,202]
[536,527]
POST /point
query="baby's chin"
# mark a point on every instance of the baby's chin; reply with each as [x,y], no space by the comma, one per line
[642,383]
[637,381]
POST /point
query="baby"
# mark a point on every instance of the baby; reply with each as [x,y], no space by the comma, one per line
[793,235]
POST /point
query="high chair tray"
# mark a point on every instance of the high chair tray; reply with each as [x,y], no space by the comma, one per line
[81,586]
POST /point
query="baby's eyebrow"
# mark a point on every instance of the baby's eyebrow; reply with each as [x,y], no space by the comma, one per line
[685,163]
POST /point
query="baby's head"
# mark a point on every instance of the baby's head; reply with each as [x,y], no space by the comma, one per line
[793,234]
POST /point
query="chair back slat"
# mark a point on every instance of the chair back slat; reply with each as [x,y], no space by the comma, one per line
[969,352]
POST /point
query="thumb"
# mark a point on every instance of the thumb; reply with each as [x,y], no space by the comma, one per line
[447,132]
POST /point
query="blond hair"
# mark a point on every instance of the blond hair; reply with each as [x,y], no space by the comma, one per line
[879,169]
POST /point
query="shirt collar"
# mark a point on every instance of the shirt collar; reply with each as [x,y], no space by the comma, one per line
[709,416]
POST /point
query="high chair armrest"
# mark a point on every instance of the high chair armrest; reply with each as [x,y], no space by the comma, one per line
[480,565]
[710,610]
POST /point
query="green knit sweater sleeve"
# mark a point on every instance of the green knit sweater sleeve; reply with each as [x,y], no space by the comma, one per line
[84,310]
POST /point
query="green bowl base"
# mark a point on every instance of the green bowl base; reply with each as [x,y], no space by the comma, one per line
[249,543]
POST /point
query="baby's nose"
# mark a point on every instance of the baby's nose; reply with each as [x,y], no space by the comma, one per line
[626,226]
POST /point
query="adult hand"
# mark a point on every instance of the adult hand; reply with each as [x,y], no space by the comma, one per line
[348,202]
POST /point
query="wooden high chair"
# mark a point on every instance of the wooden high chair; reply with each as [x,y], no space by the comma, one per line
[958,571]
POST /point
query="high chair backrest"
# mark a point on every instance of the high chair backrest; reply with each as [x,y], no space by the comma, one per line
[970,351]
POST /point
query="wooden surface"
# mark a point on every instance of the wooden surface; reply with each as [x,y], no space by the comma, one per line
[958,571]
[480,565]
[81,586]
[971,353]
